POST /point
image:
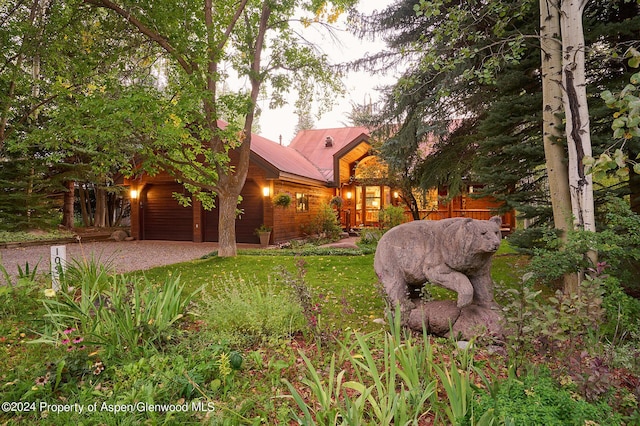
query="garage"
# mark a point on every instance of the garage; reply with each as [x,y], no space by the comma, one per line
[252,217]
[163,218]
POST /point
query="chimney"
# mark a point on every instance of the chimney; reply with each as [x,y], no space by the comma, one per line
[328,142]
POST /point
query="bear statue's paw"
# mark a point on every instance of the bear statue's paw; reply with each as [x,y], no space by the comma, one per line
[464,299]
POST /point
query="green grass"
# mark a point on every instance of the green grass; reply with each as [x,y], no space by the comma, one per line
[345,286]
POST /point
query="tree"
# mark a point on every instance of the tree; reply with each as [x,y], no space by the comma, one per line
[469,58]
[576,112]
[56,73]
[553,140]
[198,39]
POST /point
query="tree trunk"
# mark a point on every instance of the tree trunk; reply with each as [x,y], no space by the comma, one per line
[634,185]
[554,151]
[227,204]
[67,208]
[577,116]
[231,182]
[84,201]
[100,214]
[577,113]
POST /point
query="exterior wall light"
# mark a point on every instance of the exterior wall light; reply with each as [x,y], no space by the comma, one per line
[265,191]
[133,194]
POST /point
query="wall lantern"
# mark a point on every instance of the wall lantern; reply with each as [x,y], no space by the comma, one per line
[265,191]
[348,195]
[133,194]
[395,194]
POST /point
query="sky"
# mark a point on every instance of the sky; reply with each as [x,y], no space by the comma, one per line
[360,86]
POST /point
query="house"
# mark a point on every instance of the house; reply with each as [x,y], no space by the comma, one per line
[316,166]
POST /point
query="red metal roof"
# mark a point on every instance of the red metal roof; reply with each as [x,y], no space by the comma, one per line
[285,159]
[312,145]
[308,156]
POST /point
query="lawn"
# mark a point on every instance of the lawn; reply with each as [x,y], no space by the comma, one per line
[262,338]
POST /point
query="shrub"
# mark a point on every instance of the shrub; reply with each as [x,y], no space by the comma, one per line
[537,400]
[324,225]
[391,216]
[244,312]
[370,236]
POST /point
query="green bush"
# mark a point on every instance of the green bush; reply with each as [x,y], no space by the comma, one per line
[537,400]
[391,216]
[324,225]
[622,311]
[370,236]
[245,312]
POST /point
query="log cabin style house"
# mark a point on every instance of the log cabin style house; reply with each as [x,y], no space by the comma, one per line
[318,165]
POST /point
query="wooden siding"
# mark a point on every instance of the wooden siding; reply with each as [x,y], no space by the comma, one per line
[288,223]
[163,218]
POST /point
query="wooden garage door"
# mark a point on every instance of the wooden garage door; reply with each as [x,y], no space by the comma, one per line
[252,203]
[163,218]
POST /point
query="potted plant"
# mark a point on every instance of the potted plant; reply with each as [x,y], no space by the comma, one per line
[282,199]
[336,202]
[264,233]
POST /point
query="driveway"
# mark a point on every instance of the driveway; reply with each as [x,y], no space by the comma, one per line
[121,257]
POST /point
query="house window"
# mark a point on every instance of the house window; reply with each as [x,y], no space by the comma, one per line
[302,202]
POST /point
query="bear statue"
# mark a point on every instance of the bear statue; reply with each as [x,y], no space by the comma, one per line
[453,253]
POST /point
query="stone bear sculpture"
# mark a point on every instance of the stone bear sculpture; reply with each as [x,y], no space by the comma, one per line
[454,253]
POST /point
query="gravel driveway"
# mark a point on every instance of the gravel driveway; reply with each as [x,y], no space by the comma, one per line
[123,256]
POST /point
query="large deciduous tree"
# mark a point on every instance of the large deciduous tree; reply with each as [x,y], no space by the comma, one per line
[203,43]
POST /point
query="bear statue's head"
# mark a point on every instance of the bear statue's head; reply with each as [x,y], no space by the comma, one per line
[482,236]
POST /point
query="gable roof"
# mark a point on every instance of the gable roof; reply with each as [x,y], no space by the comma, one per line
[326,157]
[282,161]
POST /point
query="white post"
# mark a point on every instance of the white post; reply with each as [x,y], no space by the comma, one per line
[58,264]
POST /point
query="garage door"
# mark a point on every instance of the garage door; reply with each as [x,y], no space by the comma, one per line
[252,203]
[162,217]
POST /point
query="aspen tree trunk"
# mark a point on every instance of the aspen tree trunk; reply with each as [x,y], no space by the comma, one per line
[577,117]
[554,151]
[577,113]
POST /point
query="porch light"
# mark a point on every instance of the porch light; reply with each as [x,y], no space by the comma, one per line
[265,191]
[348,195]
[133,194]
[395,194]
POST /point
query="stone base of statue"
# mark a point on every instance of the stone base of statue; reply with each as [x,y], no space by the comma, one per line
[445,319]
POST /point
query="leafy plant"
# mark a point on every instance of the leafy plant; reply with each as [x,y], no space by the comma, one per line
[336,202]
[535,399]
[262,228]
[324,225]
[245,312]
[127,317]
[391,216]
[370,236]
[282,199]
[391,387]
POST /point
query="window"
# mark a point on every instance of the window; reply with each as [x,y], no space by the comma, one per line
[302,202]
